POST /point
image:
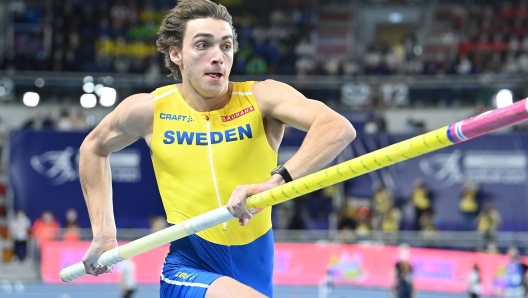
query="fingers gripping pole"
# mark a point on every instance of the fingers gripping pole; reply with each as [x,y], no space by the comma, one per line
[108,258]
[428,142]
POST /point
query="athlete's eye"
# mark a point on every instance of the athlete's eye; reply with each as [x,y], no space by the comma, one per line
[227,47]
[201,45]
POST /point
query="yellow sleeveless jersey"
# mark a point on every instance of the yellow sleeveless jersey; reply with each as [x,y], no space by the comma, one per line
[199,158]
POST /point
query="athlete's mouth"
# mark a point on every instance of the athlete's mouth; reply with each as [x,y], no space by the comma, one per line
[214,75]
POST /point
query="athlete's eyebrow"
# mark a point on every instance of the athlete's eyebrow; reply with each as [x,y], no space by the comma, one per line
[210,36]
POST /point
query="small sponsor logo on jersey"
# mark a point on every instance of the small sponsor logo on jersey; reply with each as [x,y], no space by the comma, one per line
[164,116]
[238,114]
[200,138]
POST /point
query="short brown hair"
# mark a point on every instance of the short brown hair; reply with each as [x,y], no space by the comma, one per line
[172,28]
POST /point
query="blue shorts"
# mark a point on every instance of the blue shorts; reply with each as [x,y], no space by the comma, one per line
[250,264]
[185,282]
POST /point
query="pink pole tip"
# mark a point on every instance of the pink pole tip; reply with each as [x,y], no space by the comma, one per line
[488,122]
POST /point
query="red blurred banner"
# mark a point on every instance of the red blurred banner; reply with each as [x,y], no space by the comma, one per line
[298,264]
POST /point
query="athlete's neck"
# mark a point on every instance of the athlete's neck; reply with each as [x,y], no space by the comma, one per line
[202,103]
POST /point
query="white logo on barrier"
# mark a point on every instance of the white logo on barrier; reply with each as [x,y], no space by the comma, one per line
[443,168]
[62,166]
[488,167]
[55,165]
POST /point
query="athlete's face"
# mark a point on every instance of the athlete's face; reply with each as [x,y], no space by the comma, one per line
[206,56]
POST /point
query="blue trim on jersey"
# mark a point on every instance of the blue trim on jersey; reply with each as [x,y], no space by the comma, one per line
[250,264]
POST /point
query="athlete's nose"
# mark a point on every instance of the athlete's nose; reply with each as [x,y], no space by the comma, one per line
[218,56]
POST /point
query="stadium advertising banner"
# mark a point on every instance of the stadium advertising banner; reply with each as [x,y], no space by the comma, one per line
[43,175]
[347,264]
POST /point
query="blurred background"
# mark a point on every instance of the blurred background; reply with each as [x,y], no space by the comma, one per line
[394,68]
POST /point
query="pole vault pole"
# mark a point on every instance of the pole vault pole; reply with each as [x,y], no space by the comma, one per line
[455,133]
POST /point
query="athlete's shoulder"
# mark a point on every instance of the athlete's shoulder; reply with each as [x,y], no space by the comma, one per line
[270,93]
[261,85]
[138,104]
[136,113]
[272,89]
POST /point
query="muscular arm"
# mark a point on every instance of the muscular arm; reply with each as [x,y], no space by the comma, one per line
[127,123]
[328,132]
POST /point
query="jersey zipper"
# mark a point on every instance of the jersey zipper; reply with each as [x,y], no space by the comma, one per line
[210,147]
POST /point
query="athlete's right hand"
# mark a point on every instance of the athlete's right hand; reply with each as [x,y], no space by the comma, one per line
[97,248]
[237,203]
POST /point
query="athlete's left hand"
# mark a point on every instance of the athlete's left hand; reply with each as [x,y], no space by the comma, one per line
[237,202]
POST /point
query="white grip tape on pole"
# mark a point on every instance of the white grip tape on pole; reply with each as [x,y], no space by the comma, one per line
[72,272]
[207,220]
[108,258]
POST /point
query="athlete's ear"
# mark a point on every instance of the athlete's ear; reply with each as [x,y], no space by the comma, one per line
[175,55]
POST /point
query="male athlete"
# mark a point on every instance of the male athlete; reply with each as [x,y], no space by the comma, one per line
[213,143]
